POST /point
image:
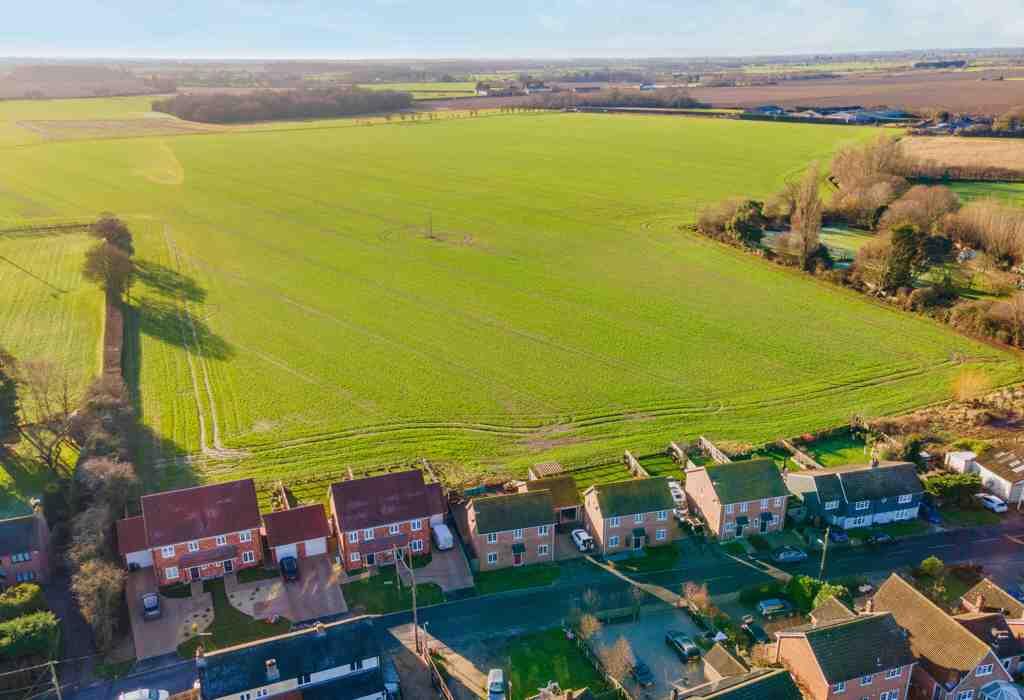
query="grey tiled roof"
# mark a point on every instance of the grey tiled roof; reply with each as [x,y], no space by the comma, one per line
[860,646]
[753,479]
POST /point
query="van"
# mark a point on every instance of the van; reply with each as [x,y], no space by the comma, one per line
[442,536]
[495,684]
[774,607]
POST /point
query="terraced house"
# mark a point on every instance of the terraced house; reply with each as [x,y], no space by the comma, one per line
[374,516]
[738,498]
[195,533]
[630,514]
[859,495]
[515,529]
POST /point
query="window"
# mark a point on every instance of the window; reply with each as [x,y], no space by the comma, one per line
[866,680]
[368,534]
[262,693]
[357,664]
[193,546]
[778,502]
[248,557]
[23,576]
[613,541]
[415,525]
[764,504]
[416,545]
[660,535]
[394,529]
[862,505]
[353,537]
[245,536]
[517,534]
[1006,663]
[839,687]
[543,530]
[245,696]
[354,557]
[542,550]
[492,557]
[831,505]
[20,557]
[614,522]
[167,552]
[221,540]
[171,572]
[662,515]
[728,509]
[890,695]
[638,518]
[905,498]
[304,679]
[984,670]
[492,538]
[743,507]
[893,673]
[965,695]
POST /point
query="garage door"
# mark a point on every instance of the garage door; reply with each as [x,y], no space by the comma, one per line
[286,550]
[317,546]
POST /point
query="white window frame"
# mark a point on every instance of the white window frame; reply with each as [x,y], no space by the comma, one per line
[394,529]
[193,546]
[415,525]
[831,505]
[305,679]
[893,694]
[661,535]
[245,536]
[416,545]
[171,573]
[221,540]
[517,534]
[662,515]
[965,695]
[355,556]
[764,503]
[167,551]
[638,518]
[778,502]
[894,673]
[492,557]
[905,498]
[543,530]
[613,541]
[248,556]
[492,538]
[743,507]
[839,687]
[262,693]
[543,550]
[614,521]
[984,670]
[728,508]
[867,680]
[353,537]
[245,696]
[367,534]
[862,505]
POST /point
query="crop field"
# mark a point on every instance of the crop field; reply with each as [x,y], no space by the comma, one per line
[966,151]
[482,293]
[427,91]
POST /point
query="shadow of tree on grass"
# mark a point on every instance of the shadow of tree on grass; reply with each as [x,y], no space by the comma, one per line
[174,325]
[168,282]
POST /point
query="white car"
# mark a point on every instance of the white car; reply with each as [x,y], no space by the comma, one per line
[583,541]
[144,694]
[990,502]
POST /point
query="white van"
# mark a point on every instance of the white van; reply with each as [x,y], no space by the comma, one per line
[442,536]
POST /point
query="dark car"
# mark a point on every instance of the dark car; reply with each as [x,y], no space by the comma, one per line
[929,513]
[151,606]
[642,674]
[879,539]
[788,555]
[290,569]
[754,631]
[838,536]
[683,645]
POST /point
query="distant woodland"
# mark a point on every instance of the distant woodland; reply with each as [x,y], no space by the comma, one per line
[316,103]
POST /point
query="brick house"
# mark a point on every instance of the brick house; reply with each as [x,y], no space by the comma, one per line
[630,514]
[515,529]
[756,684]
[24,549]
[993,629]
[296,532]
[738,498]
[866,657]
[859,495]
[195,533]
[986,596]
[953,664]
[375,515]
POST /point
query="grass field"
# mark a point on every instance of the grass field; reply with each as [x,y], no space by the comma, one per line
[427,91]
[1012,192]
[484,292]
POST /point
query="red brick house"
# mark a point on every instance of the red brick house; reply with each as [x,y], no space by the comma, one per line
[195,533]
[375,515]
[296,532]
[24,549]
[864,657]
[630,514]
[736,499]
[953,664]
[514,529]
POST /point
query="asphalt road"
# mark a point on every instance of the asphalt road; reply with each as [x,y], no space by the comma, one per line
[1000,549]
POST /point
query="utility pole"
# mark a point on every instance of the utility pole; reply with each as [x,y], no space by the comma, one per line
[56,681]
[415,612]
[824,553]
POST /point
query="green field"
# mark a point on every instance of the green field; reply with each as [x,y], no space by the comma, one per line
[485,293]
[1009,191]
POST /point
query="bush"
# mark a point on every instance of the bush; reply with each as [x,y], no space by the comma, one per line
[759,543]
[956,489]
[832,590]
[37,633]
[751,595]
[933,567]
[22,599]
[733,221]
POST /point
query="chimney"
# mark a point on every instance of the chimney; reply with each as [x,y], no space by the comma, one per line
[869,606]
[319,629]
[979,602]
[273,674]
[874,462]
[200,657]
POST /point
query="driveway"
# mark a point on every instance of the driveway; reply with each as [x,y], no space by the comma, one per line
[163,635]
[565,548]
[448,569]
[315,596]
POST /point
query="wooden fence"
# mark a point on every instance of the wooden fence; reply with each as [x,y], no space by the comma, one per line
[634,466]
[437,679]
[800,457]
[711,450]
[617,691]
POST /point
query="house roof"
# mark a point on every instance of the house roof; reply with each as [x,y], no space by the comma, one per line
[633,496]
[719,658]
[20,534]
[831,610]
[179,516]
[563,489]
[853,647]
[1004,462]
[308,651]
[545,469]
[295,525]
[513,511]
[435,499]
[750,480]
[862,482]
[994,598]
[131,535]
[760,684]
[946,649]
[367,684]
[991,628]
[381,500]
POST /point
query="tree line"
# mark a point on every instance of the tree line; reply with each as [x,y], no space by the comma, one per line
[263,105]
[667,98]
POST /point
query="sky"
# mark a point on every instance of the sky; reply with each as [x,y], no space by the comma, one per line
[486,29]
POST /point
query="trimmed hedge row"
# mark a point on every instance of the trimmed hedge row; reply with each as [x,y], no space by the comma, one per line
[23,599]
[36,633]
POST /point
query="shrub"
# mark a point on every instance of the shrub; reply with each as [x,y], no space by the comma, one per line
[36,633]
[733,221]
[957,489]
[933,567]
[832,590]
[751,595]
[22,599]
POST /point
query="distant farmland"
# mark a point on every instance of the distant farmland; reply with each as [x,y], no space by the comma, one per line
[482,293]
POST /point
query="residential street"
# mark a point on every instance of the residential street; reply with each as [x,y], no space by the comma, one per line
[462,622]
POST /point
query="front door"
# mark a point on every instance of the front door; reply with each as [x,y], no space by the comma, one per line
[764,526]
[371,559]
[194,573]
[229,566]
[517,559]
[638,542]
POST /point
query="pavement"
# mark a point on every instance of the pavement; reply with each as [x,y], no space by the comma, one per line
[315,596]
[163,635]
[449,569]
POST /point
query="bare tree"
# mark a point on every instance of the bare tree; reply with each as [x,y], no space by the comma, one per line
[697,596]
[637,595]
[589,627]
[591,599]
[47,410]
[804,236]
[109,482]
[1011,312]
[90,535]
[98,585]
[618,659]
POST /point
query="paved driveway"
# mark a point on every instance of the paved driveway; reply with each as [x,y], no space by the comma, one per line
[315,596]
[162,636]
[448,569]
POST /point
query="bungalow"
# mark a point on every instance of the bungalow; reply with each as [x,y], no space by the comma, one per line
[565,496]
[512,530]
[953,664]
[859,495]
[24,549]
[629,514]
[195,533]
[337,660]
[296,532]
[1001,470]
[738,498]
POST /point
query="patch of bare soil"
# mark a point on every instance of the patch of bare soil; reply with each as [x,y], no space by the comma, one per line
[64,129]
[955,151]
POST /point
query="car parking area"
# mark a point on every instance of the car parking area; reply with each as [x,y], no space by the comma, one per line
[448,568]
[162,635]
[565,548]
[316,595]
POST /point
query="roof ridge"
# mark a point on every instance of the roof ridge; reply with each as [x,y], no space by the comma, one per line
[942,613]
[198,486]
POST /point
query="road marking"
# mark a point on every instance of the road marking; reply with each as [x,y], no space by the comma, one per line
[988,539]
[1015,540]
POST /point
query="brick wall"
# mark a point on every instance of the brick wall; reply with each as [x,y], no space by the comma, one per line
[795,653]
[381,545]
[775,506]
[611,537]
[700,494]
[539,549]
[215,569]
[975,682]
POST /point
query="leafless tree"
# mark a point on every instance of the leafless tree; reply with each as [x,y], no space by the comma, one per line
[591,599]
[804,236]
[108,482]
[48,407]
[98,585]
[637,595]
[91,532]
[589,626]
[618,659]
[1011,312]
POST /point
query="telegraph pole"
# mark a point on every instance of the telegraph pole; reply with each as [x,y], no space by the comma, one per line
[824,553]
[415,612]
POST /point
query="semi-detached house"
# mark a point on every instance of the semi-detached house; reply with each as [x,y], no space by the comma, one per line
[514,529]
[630,514]
[737,499]
[859,495]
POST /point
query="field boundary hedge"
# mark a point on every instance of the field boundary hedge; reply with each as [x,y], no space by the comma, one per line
[113,337]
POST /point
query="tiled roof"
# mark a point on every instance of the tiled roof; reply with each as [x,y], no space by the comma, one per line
[563,489]
[830,611]
[381,500]
[546,469]
[633,496]
[749,480]
[760,684]
[173,517]
[1005,462]
[992,629]
[131,535]
[295,525]
[862,482]
[513,511]
[19,535]
[854,647]
[994,598]
[946,649]
[719,658]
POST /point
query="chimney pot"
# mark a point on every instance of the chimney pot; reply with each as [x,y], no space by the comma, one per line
[870,605]
[319,629]
[272,673]
[200,657]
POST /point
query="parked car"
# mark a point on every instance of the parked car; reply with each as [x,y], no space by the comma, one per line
[837,535]
[495,684]
[788,555]
[929,513]
[683,645]
[774,607]
[144,694]
[582,539]
[990,502]
[151,606]
[754,631]
[289,568]
[642,674]
[879,539]
[443,538]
